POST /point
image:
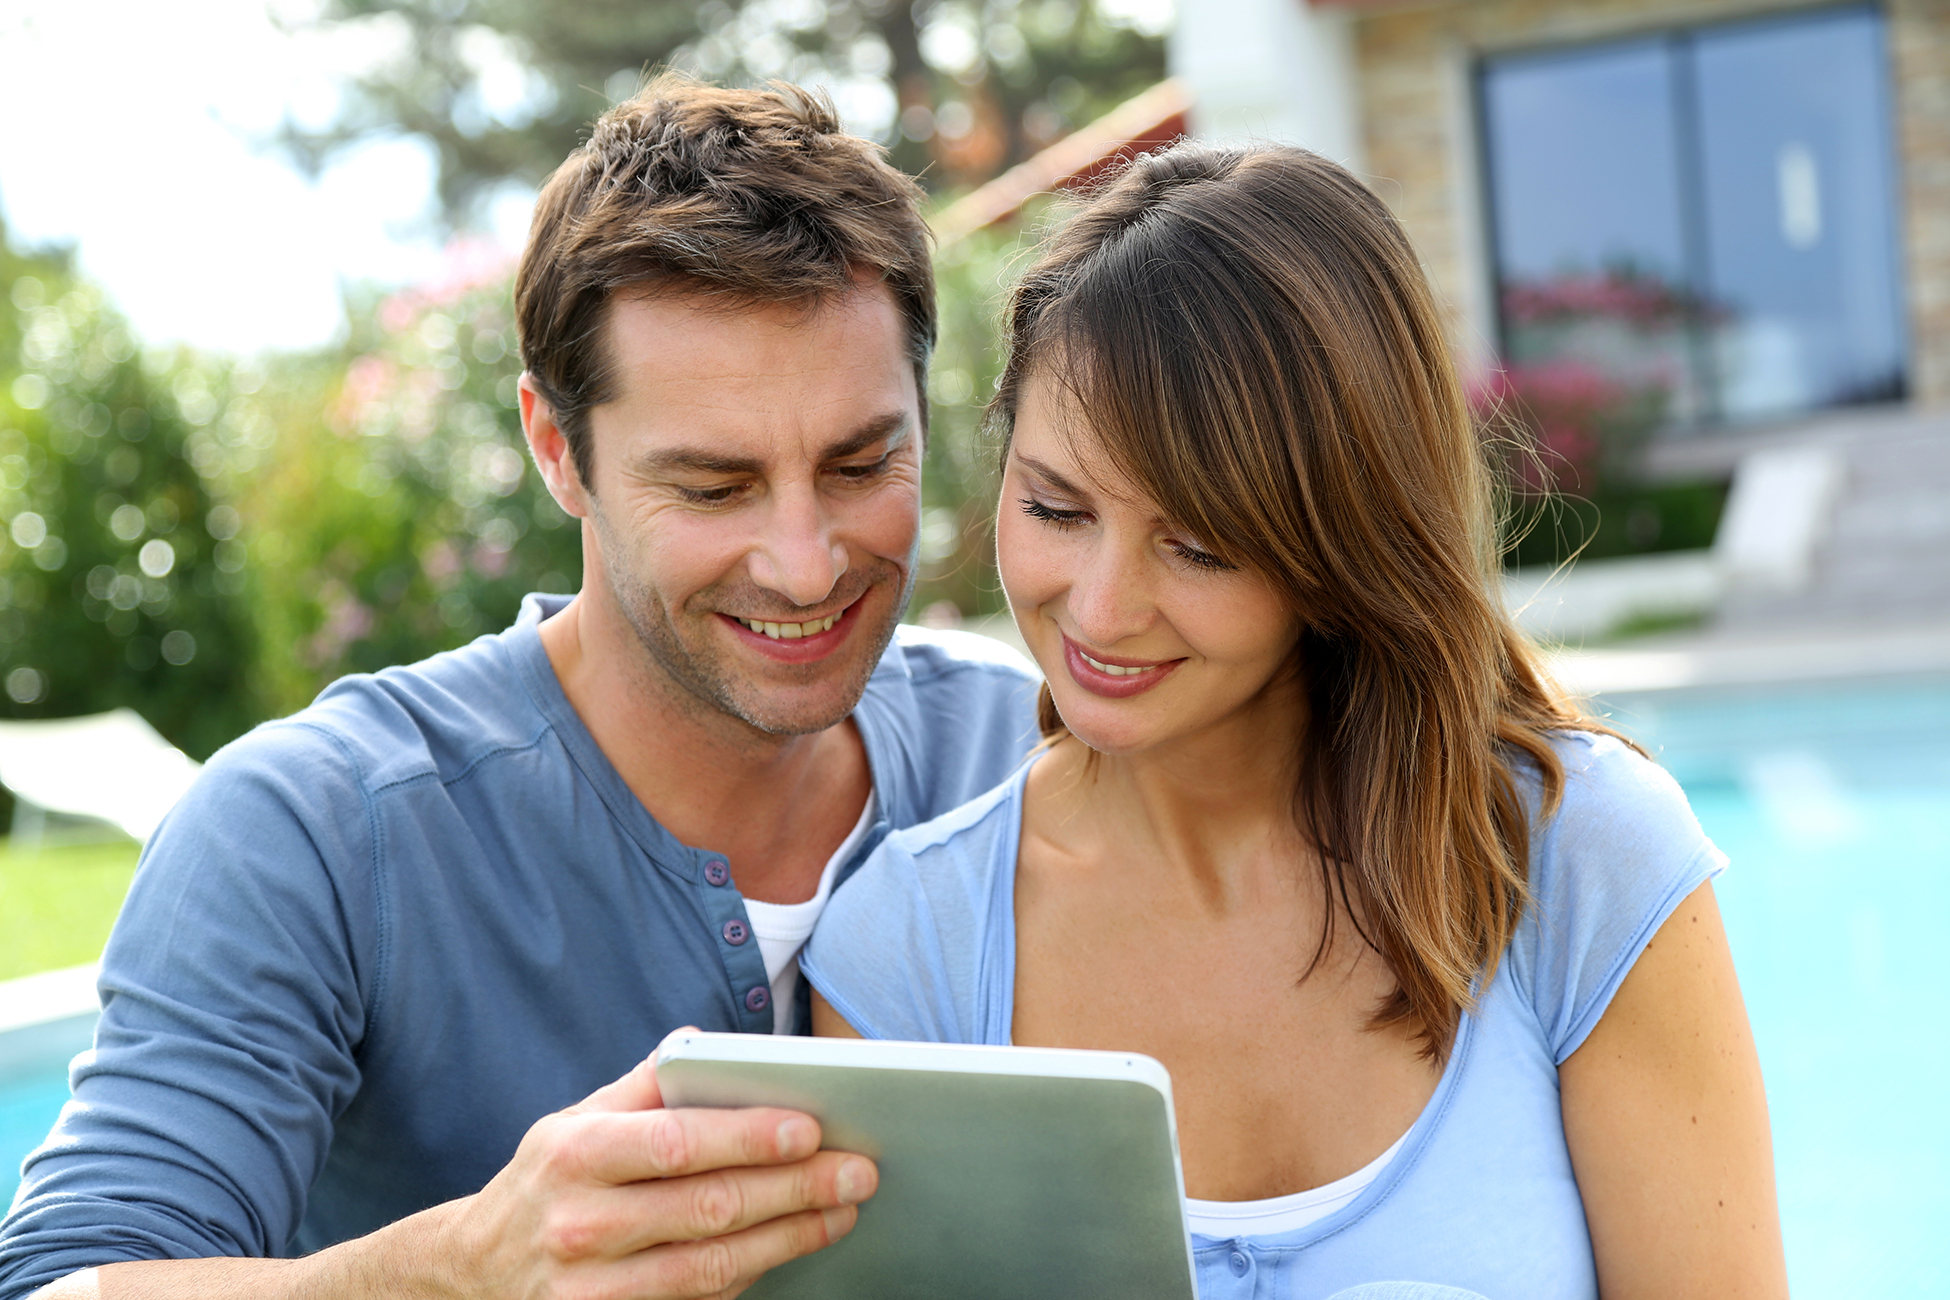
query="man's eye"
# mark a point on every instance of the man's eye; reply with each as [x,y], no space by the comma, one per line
[866,471]
[712,496]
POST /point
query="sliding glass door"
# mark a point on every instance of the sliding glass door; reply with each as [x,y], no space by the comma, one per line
[1702,219]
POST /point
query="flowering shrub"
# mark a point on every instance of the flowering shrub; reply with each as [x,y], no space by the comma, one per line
[1620,293]
[395,512]
[1577,429]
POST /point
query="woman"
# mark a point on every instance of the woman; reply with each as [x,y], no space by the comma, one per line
[1432,957]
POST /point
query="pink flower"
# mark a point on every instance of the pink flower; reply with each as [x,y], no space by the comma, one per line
[1567,407]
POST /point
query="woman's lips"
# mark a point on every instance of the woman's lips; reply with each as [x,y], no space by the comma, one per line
[1118,679]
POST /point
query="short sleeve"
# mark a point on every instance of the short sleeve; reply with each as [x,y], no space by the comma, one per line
[910,948]
[1621,853]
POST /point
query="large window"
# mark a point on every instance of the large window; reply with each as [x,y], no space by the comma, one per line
[1705,218]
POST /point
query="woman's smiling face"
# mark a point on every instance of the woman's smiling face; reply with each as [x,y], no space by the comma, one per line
[1144,635]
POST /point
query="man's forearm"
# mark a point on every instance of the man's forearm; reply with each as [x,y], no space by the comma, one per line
[399,1261]
[614,1196]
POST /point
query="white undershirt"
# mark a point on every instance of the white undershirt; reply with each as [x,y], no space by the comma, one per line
[783,928]
[1284,1213]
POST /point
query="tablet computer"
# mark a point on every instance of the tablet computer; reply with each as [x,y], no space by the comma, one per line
[1016,1172]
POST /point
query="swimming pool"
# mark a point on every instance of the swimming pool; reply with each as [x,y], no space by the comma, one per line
[33,1086]
[1834,803]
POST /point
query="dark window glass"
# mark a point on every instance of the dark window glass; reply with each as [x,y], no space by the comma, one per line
[1698,226]
[1798,188]
[1591,250]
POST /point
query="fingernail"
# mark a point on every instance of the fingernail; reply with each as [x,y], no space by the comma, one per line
[855,1182]
[839,1221]
[797,1138]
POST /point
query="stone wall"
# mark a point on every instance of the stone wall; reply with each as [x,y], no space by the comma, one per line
[1919,32]
[1414,67]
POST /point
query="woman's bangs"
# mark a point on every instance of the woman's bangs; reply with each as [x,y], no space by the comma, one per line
[1159,395]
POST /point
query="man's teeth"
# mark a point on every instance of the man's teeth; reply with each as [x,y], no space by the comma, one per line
[1117,670]
[791,631]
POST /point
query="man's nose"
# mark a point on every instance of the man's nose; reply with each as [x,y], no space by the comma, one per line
[797,555]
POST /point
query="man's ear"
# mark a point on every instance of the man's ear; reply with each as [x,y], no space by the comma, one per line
[551,450]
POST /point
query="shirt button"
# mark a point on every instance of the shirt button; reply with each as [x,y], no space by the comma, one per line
[758,998]
[716,872]
[735,933]
[1241,1263]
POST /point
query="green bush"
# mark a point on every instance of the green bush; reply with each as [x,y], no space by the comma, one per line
[213,542]
[959,485]
[392,510]
[119,581]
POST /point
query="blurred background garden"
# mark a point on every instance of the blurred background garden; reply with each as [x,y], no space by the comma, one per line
[212,535]
[257,417]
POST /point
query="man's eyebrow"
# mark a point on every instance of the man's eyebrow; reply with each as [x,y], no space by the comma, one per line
[894,426]
[1050,476]
[693,460]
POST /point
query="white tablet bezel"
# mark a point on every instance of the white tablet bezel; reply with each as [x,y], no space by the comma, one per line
[960,1058]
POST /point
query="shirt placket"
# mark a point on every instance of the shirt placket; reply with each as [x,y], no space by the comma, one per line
[731,927]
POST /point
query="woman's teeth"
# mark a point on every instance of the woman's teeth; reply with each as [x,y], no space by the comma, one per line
[1117,670]
[791,631]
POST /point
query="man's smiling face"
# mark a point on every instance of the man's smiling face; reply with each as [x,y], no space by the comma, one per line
[755,498]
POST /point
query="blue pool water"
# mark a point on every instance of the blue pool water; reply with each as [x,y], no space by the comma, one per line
[33,1087]
[1834,804]
[27,1109]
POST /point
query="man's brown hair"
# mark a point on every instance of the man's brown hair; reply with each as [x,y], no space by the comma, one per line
[754,195]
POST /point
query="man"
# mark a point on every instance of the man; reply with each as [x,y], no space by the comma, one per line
[375,957]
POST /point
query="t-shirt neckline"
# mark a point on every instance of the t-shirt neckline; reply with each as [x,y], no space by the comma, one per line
[1412,1143]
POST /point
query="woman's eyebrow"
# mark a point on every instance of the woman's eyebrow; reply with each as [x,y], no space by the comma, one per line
[1050,476]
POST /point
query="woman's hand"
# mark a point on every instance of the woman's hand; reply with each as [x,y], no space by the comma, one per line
[1667,1126]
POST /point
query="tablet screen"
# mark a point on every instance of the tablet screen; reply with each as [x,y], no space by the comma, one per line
[1004,1172]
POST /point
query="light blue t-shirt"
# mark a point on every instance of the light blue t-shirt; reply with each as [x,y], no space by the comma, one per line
[1481,1195]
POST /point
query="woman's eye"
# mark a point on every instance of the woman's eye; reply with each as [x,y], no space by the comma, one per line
[1202,559]
[1050,514]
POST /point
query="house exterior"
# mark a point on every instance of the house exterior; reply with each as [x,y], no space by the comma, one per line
[1739,207]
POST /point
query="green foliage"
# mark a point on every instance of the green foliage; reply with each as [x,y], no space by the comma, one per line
[57,902]
[213,543]
[958,547]
[394,511]
[501,90]
[118,584]
[1614,521]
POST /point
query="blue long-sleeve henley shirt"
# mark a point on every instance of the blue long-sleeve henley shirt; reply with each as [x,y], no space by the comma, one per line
[378,939]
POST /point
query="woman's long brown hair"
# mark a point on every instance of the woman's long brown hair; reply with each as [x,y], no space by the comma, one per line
[1250,336]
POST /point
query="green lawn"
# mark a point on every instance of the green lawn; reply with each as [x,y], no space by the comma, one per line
[57,902]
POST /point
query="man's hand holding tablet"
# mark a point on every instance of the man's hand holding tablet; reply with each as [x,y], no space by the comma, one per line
[654,1201]
[1026,1172]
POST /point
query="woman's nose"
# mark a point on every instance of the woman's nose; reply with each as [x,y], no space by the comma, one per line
[1110,596]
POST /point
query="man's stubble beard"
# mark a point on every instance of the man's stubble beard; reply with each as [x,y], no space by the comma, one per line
[699,677]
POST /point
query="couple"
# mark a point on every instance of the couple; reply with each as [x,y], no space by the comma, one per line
[1432,958]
